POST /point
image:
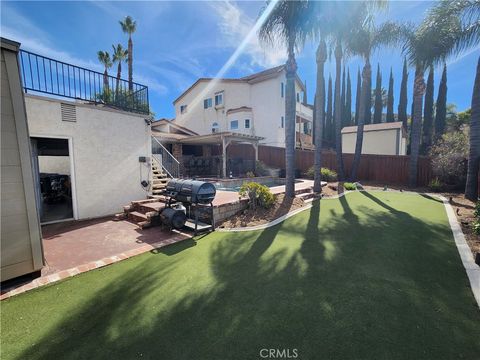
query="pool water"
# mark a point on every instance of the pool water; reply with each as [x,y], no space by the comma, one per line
[234,187]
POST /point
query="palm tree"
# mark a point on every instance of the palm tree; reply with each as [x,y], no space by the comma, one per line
[441,34]
[363,42]
[104,58]
[287,23]
[119,55]
[128,27]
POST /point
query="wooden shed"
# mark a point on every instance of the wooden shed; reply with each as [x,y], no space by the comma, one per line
[21,239]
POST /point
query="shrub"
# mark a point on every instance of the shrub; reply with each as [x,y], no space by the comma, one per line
[476,213]
[327,174]
[476,227]
[349,186]
[250,174]
[261,169]
[435,185]
[449,159]
[258,194]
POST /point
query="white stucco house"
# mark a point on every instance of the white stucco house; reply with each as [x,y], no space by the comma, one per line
[89,139]
[252,105]
[378,139]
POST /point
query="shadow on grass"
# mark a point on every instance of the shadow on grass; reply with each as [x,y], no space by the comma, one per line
[362,283]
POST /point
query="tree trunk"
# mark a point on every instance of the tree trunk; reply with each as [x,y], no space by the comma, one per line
[358,97]
[418,92]
[319,115]
[368,102]
[348,101]
[365,92]
[105,80]
[290,111]
[338,112]
[119,74]
[130,63]
[471,187]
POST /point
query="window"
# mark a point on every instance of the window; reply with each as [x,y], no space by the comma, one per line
[298,97]
[234,125]
[282,89]
[207,103]
[282,122]
[219,99]
[215,127]
[183,109]
[247,123]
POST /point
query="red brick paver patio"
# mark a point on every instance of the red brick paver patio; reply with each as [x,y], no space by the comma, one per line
[75,247]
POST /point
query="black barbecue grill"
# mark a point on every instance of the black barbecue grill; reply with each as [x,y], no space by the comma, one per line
[191,191]
[197,197]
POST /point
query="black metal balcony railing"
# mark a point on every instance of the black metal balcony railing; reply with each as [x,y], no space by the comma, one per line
[45,75]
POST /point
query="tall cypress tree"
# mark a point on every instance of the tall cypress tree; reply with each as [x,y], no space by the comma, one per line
[348,100]
[358,96]
[368,106]
[441,108]
[428,113]
[329,117]
[402,104]
[390,116]
[410,130]
[378,106]
[342,99]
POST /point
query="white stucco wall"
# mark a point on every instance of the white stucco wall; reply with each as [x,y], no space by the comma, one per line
[105,145]
[264,97]
[379,142]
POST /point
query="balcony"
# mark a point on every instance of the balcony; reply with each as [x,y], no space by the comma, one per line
[44,75]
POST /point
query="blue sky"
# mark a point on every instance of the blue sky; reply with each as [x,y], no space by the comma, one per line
[178,42]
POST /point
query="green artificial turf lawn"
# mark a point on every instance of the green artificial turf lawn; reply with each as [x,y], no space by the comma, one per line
[367,276]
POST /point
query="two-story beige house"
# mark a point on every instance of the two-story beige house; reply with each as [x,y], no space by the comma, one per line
[252,105]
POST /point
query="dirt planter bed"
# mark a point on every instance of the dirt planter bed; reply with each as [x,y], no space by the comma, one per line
[260,216]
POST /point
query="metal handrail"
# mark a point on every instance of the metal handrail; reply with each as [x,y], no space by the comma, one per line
[168,162]
[49,76]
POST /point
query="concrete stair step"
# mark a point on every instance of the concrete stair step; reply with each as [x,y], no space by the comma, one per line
[303,191]
[153,207]
[137,217]
[159,198]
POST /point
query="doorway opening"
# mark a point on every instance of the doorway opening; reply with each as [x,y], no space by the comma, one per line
[52,172]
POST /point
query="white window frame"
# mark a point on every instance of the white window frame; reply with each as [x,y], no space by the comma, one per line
[183,109]
[207,103]
[219,95]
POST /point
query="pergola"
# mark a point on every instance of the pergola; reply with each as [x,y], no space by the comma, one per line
[224,139]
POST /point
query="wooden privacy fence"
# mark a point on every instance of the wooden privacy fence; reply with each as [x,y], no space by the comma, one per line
[388,169]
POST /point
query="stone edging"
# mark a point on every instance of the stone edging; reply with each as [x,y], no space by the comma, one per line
[471,268]
[277,220]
